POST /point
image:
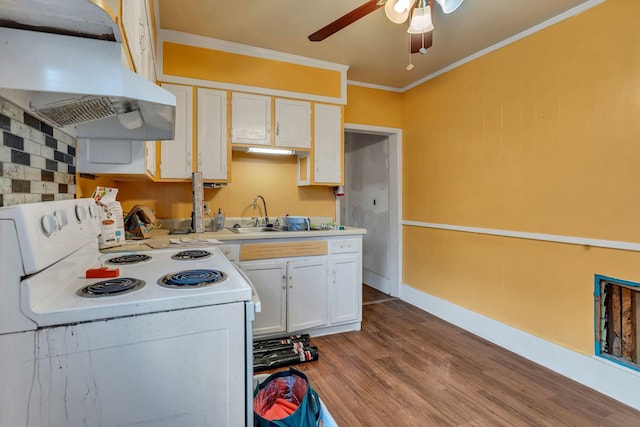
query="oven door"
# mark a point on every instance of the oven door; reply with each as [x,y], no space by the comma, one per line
[174,368]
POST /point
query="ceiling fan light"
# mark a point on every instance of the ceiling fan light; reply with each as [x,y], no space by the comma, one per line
[421,21]
[401,6]
[449,6]
[393,15]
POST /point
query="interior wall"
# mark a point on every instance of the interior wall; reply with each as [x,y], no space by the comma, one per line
[272,177]
[376,107]
[539,136]
[366,202]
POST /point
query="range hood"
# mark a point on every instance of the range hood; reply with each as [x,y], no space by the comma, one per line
[79,80]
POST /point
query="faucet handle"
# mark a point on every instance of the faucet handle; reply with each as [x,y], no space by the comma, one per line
[257,222]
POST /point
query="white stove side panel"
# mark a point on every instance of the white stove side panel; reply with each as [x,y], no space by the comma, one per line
[11,317]
[184,367]
[17,353]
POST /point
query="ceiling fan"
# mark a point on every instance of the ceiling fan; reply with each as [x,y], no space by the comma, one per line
[398,11]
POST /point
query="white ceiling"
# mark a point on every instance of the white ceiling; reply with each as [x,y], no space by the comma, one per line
[375,49]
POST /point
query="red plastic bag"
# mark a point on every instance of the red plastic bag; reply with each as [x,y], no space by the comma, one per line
[282,392]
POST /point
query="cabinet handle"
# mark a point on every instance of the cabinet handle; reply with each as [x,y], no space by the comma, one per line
[277,129]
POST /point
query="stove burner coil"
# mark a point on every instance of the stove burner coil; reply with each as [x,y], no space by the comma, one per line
[119,286]
[129,259]
[189,279]
[192,254]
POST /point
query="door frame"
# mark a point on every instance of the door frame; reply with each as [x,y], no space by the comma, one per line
[395,203]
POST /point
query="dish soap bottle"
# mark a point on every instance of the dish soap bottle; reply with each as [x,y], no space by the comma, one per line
[218,221]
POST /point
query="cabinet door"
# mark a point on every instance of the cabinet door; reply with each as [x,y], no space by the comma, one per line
[151,157]
[328,144]
[307,299]
[111,156]
[250,119]
[269,279]
[212,134]
[176,154]
[345,288]
[293,124]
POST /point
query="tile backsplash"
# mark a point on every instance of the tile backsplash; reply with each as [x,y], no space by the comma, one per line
[37,161]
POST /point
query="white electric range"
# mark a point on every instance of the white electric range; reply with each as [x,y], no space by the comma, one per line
[157,338]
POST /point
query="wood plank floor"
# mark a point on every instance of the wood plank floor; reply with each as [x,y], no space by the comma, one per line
[409,368]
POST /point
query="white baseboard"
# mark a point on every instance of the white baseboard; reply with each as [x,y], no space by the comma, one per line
[608,378]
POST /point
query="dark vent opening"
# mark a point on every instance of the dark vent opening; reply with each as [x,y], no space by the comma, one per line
[617,305]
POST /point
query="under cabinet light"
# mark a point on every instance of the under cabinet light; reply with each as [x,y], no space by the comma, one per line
[262,150]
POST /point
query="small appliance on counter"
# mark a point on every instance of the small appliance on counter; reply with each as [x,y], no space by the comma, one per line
[297,223]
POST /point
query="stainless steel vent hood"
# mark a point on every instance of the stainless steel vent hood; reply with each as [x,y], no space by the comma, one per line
[76,80]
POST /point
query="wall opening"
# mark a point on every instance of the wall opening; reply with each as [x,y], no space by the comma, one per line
[617,304]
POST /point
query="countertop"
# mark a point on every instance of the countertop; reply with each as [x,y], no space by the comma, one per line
[160,238]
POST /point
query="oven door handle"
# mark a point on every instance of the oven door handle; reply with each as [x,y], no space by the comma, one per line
[255,298]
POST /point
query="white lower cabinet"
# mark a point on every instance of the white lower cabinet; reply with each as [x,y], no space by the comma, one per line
[345,288]
[269,278]
[316,294]
[307,302]
[293,294]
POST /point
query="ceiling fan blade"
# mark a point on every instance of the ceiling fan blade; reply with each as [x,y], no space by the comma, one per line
[416,41]
[345,20]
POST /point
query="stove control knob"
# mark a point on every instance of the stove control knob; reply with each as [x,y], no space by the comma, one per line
[93,211]
[49,224]
[63,219]
[81,213]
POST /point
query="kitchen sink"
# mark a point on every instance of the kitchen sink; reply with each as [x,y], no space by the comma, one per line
[252,229]
[263,229]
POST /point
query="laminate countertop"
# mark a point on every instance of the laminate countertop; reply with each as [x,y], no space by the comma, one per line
[161,239]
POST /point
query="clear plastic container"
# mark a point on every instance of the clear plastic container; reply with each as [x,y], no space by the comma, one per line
[218,221]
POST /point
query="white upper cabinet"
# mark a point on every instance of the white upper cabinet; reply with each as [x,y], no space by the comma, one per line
[136,22]
[293,124]
[212,133]
[151,157]
[176,155]
[327,145]
[250,119]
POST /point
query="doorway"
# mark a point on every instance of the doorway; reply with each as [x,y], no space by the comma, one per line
[373,200]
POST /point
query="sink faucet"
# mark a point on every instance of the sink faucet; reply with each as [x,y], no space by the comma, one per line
[255,205]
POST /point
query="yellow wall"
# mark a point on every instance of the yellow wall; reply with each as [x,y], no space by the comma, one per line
[273,178]
[539,136]
[374,107]
[206,64]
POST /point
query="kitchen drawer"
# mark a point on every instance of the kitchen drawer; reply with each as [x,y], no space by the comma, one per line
[342,246]
[232,252]
[256,251]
